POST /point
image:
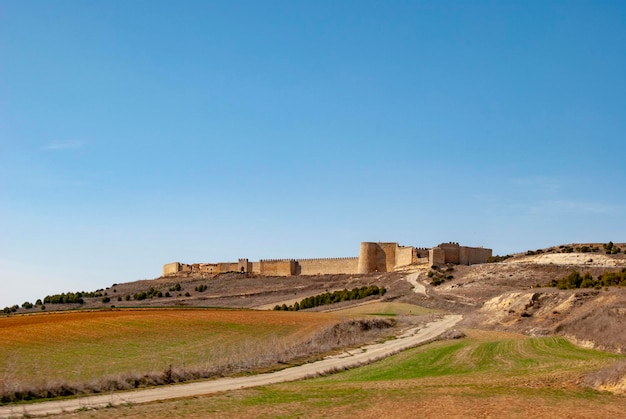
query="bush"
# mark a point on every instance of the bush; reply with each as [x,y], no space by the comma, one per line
[574,280]
[438,277]
[201,288]
[66,298]
[106,299]
[334,297]
[140,296]
[497,258]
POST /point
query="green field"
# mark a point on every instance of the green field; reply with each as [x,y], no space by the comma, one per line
[485,374]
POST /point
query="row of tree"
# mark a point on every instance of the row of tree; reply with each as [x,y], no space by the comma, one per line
[333,297]
[576,280]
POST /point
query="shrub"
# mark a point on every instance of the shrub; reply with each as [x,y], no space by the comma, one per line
[65,298]
[575,280]
[437,281]
[140,296]
[497,258]
[105,299]
[334,297]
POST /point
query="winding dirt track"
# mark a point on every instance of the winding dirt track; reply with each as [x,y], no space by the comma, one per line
[418,287]
[345,360]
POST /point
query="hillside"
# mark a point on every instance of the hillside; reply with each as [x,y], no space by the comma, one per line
[505,295]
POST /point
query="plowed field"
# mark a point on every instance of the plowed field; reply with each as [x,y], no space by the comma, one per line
[78,347]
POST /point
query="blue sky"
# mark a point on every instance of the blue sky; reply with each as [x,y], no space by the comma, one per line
[133,134]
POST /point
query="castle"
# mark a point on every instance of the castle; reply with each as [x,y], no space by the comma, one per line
[373,257]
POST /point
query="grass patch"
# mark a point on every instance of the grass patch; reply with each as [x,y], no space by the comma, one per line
[508,357]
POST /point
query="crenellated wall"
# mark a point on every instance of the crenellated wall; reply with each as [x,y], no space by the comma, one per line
[459,255]
[278,267]
[327,266]
[373,257]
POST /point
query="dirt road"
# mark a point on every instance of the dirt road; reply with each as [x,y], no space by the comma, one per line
[418,287]
[345,360]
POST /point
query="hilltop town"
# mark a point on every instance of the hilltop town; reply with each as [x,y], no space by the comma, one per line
[373,257]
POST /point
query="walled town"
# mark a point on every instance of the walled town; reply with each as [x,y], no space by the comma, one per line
[373,257]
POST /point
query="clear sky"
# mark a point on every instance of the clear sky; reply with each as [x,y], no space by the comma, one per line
[136,133]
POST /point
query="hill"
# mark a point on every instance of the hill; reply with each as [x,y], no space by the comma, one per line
[510,294]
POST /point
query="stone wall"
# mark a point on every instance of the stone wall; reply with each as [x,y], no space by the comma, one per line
[244,266]
[281,267]
[460,255]
[255,267]
[373,257]
[452,252]
[224,267]
[477,255]
[437,257]
[405,256]
[171,268]
[327,266]
[386,259]
[367,258]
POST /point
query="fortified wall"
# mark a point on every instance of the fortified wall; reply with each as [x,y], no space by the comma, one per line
[373,257]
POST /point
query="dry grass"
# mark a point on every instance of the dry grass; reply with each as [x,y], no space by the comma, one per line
[377,308]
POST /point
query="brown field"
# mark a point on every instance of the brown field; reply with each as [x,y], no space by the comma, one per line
[87,348]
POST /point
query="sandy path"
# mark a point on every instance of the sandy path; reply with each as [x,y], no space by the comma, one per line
[418,287]
[345,360]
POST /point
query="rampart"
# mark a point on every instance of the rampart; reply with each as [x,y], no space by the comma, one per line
[327,266]
[460,255]
[373,257]
[279,267]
